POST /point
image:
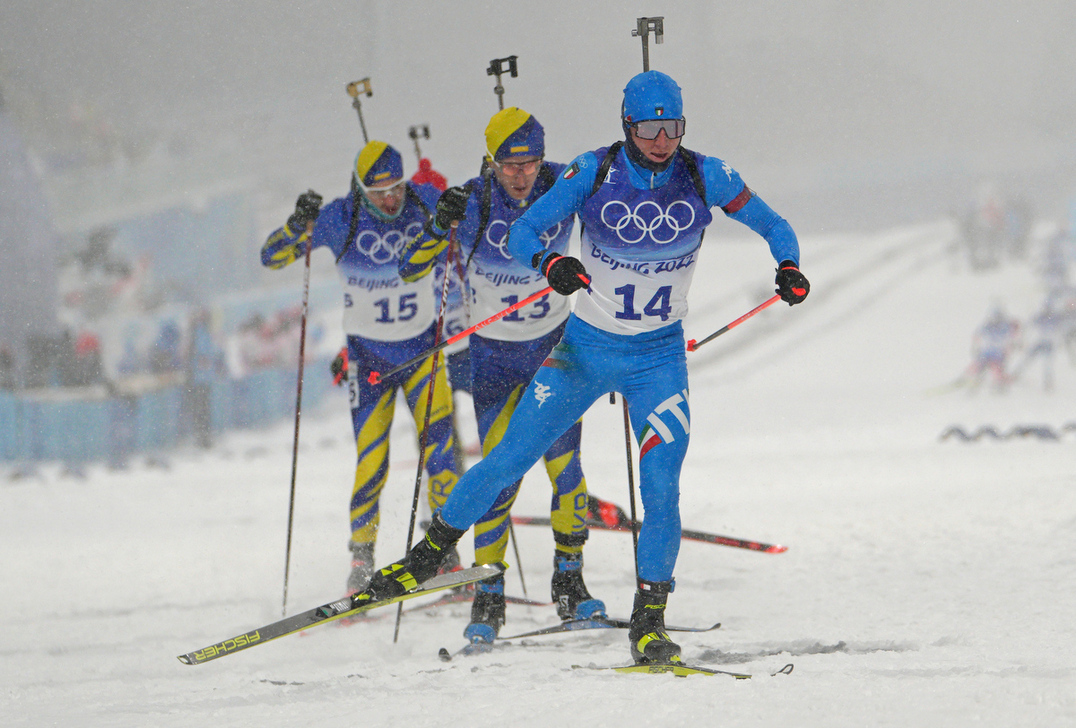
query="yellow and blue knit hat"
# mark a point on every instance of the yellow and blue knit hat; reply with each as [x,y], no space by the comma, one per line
[512,132]
[377,164]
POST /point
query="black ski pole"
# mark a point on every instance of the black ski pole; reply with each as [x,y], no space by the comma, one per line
[631,485]
[424,435]
[354,90]
[298,410]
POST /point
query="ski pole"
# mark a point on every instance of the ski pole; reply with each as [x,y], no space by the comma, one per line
[376,377]
[298,409]
[424,435]
[354,89]
[631,485]
[692,345]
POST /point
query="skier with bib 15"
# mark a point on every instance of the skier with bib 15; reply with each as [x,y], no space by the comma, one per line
[387,321]
[643,204]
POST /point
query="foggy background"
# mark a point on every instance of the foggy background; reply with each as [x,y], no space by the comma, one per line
[841,114]
[176,136]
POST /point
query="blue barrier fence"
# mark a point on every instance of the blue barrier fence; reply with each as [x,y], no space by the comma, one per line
[81,426]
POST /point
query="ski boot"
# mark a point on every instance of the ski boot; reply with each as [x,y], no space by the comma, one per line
[420,564]
[650,643]
[569,592]
[362,567]
[487,611]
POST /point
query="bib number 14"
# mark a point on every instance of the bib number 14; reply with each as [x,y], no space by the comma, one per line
[658,306]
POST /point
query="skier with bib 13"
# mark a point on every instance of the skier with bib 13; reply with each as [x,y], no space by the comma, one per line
[505,356]
[643,205]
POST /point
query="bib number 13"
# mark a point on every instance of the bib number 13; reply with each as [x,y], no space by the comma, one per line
[659,305]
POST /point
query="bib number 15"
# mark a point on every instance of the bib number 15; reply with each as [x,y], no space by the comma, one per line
[658,306]
[405,310]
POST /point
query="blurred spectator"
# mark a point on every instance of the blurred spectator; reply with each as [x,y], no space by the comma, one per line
[205,362]
[87,368]
[994,341]
[7,369]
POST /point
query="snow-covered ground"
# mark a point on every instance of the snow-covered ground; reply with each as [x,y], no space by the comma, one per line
[927,582]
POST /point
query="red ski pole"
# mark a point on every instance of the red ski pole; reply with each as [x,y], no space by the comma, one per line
[376,377]
[692,345]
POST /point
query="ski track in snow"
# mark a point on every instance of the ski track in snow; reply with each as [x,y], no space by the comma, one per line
[926,582]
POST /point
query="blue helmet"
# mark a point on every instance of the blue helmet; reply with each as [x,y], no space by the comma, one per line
[652,95]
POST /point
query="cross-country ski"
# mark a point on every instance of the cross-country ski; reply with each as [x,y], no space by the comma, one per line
[332,611]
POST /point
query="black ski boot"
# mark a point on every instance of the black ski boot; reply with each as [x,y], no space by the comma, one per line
[487,611]
[569,592]
[362,567]
[650,643]
[420,564]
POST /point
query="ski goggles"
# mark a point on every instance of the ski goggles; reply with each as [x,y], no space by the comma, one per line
[513,168]
[649,129]
[380,193]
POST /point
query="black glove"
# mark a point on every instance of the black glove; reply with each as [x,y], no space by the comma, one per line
[565,274]
[339,367]
[451,206]
[307,208]
[792,285]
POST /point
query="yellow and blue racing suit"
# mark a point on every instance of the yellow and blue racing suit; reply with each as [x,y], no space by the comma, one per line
[387,321]
[508,352]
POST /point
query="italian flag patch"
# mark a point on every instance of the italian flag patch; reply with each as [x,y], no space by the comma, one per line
[572,171]
[649,439]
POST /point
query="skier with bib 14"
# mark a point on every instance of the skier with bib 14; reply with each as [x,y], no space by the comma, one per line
[643,205]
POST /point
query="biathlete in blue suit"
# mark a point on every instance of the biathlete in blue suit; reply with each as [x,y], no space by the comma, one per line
[505,357]
[643,205]
[387,321]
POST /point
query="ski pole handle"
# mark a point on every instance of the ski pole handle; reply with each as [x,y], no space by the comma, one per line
[692,345]
[376,377]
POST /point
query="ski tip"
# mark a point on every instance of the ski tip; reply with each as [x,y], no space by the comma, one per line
[776,549]
[185,659]
[444,654]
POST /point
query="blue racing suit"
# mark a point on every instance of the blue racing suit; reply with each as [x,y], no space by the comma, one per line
[642,233]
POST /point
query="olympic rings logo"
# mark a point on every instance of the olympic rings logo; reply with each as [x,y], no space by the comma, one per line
[384,248]
[648,219]
[500,242]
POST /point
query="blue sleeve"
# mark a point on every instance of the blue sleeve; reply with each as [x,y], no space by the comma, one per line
[567,195]
[726,189]
[333,225]
[761,218]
